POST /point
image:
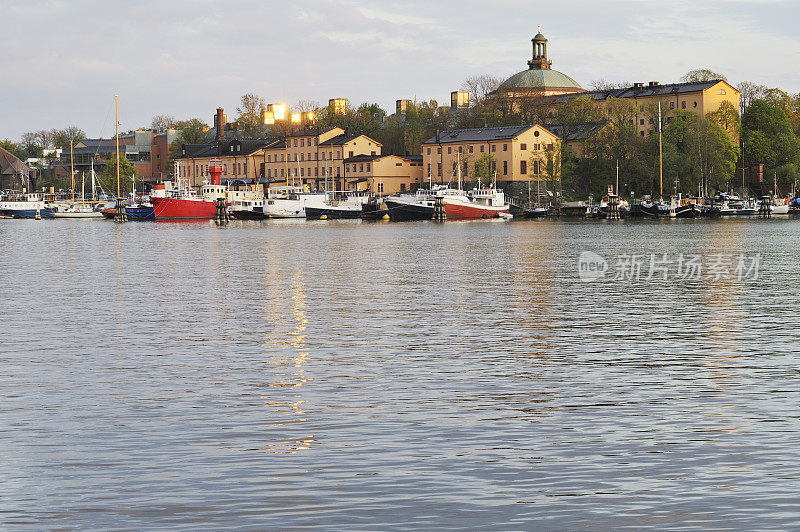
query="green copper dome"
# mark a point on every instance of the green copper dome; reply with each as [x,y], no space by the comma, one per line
[540,79]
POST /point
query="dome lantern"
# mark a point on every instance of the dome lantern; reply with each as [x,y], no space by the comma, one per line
[539,61]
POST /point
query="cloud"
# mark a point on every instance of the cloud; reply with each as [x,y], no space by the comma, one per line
[186,57]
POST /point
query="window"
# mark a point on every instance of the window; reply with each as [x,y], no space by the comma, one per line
[367,167]
[225,168]
[429,152]
[641,122]
[523,147]
[439,169]
[301,172]
[361,167]
[505,147]
[380,187]
[429,168]
[694,104]
[537,167]
[351,154]
[302,157]
[295,143]
[481,148]
[470,149]
[339,155]
[651,121]
[302,143]
[439,150]
[523,167]
[449,149]
[683,105]
[455,168]
[402,187]
[373,153]
[641,133]
[282,172]
[537,147]
[505,167]
[460,149]
[494,148]
[722,92]
[672,105]
[316,172]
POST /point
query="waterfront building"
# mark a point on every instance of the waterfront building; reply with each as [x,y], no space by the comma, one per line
[240,160]
[14,174]
[384,174]
[701,98]
[541,86]
[516,155]
[312,156]
[146,149]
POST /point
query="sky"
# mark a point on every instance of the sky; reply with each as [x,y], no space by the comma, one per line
[61,62]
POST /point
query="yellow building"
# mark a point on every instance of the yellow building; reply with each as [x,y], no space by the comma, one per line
[517,155]
[238,157]
[702,98]
[312,157]
[383,174]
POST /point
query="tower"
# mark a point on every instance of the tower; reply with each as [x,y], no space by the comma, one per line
[539,61]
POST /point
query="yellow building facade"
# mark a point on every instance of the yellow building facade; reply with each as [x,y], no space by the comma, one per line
[516,153]
[313,158]
[383,174]
[239,160]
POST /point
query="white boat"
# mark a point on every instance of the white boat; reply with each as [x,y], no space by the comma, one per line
[291,202]
[26,206]
[734,206]
[75,210]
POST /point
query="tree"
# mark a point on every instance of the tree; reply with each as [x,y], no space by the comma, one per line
[702,74]
[249,123]
[127,172]
[163,122]
[31,144]
[192,131]
[749,92]
[481,86]
[727,117]
[63,138]
[14,148]
[769,139]
[483,168]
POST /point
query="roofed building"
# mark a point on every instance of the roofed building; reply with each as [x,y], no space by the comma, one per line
[702,98]
[14,174]
[383,174]
[239,157]
[518,154]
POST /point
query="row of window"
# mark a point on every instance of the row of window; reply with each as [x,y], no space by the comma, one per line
[470,149]
[523,168]
[361,167]
[304,172]
[202,170]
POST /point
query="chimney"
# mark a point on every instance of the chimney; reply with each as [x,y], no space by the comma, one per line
[219,123]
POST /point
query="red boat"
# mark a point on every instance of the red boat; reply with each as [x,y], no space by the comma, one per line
[184,203]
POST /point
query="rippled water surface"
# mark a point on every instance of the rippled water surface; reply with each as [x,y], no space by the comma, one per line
[348,375]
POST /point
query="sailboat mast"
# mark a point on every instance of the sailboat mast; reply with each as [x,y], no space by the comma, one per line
[116,122]
[93,183]
[458,163]
[72,171]
[660,158]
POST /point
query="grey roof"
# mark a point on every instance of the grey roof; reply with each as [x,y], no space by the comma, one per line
[542,79]
[368,158]
[339,140]
[573,132]
[211,149]
[486,134]
[640,92]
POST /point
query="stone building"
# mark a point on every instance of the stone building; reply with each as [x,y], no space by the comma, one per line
[384,174]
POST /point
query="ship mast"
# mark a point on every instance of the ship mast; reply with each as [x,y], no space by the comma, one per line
[116,122]
[660,158]
[72,171]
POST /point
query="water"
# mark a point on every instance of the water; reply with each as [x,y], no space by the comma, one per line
[348,375]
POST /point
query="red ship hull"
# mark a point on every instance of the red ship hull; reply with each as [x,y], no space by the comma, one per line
[183,209]
[460,210]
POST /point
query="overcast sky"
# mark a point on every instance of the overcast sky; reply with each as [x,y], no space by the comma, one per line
[61,62]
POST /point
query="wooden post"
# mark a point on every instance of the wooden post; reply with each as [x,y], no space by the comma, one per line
[439,213]
[221,216]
